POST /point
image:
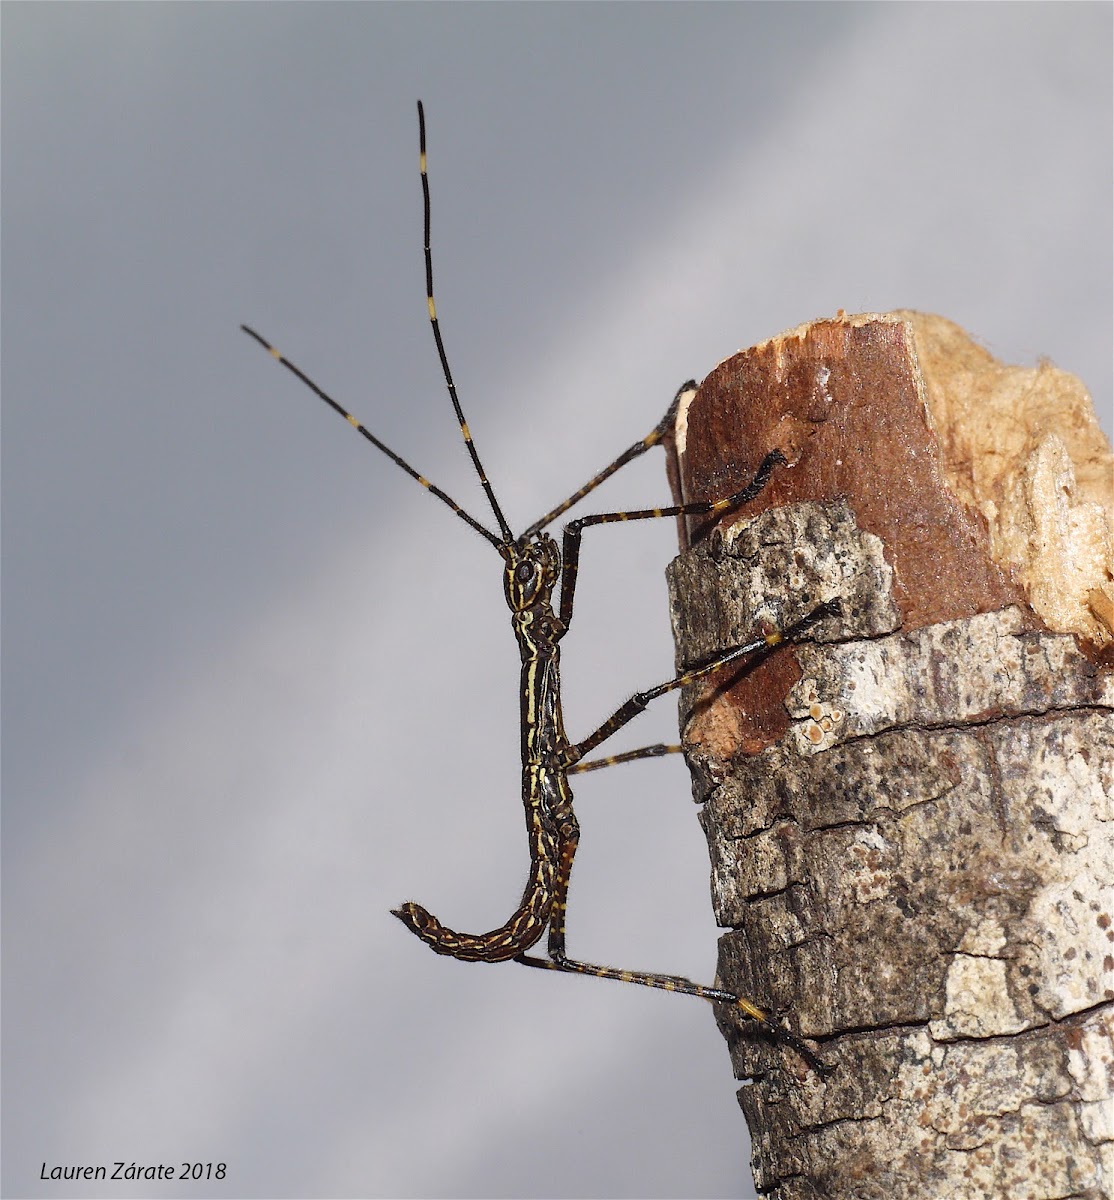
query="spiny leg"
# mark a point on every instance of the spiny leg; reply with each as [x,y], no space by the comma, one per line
[570,546]
[653,438]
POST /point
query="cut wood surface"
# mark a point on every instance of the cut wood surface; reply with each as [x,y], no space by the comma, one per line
[908,812]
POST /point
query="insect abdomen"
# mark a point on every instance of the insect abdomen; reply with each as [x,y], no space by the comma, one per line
[524,928]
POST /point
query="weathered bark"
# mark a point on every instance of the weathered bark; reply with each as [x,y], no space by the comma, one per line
[908,811]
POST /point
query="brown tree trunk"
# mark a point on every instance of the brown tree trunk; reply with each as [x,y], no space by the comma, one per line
[908,812]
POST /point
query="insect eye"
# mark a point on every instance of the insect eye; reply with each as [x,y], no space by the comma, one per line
[524,572]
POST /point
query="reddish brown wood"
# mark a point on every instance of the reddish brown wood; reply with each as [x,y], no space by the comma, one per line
[843,399]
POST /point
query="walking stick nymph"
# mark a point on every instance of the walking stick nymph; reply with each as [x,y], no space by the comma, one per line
[532,567]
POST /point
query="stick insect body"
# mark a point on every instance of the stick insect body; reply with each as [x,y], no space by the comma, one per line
[533,566]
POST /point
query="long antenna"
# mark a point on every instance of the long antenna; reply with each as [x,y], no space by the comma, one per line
[504,528]
[395,458]
[500,543]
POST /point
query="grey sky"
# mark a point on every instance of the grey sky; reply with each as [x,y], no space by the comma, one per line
[259,688]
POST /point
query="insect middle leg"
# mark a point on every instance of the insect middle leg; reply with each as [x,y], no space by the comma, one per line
[760,648]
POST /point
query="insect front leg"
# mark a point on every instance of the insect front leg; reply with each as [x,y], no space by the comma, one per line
[653,438]
[573,532]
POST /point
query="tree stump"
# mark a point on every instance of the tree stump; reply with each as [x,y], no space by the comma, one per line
[908,811]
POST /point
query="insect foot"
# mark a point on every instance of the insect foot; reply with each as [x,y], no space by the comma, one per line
[780,1033]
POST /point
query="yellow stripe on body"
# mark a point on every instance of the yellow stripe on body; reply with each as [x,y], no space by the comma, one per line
[531,692]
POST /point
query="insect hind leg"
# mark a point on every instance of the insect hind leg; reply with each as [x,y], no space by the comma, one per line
[558,960]
[686,987]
